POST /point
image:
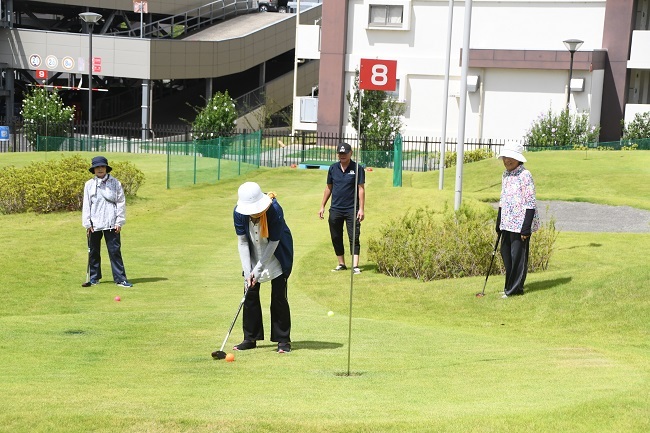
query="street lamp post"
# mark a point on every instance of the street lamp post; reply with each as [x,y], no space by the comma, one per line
[90,18]
[572,45]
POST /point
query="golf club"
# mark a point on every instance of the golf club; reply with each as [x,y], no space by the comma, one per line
[220,354]
[87,283]
[496,245]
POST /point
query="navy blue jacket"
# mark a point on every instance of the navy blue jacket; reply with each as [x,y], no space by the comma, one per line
[278,231]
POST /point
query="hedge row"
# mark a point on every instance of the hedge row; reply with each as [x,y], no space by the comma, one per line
[57,185]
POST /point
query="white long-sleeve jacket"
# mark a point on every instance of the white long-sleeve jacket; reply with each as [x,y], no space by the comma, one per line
[104,205]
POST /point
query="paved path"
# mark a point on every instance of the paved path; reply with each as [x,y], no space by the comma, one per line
[589,217]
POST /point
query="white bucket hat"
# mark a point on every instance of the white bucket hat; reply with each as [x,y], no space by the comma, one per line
[251,199]
[514,150]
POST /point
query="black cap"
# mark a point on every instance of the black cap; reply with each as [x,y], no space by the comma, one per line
[99,161]
[344,148]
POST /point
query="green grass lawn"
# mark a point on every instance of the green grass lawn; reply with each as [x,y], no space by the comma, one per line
[572,355]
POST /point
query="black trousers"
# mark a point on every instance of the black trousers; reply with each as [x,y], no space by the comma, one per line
[335,221]
[514,252]
[280,313]
[113,245]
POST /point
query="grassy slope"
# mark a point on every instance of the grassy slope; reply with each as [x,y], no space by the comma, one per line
[571,355]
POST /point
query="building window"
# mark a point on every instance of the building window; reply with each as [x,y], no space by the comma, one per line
[395,95]
[386,16]
[389,15]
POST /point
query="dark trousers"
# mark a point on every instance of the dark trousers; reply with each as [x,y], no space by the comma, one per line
[113,245]
[335,221]
[514,252]
[280,313]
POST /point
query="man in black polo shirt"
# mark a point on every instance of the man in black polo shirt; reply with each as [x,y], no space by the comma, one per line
[341,179]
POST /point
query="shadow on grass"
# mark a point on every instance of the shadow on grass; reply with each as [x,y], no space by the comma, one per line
[147,280]
[314,345]
[592,244]
[546,285]
[303,345]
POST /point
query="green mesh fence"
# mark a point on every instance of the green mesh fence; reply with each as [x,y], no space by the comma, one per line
[636,144]
[397,161]
[208,161]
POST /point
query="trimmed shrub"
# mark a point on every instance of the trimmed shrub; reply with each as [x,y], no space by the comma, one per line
[469,156]
[429,246]
[129,176]
[52,186]
[561,130]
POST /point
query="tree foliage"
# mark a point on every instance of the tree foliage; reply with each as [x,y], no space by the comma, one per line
[381,121]
[217,119]
[45,114]
[638,128]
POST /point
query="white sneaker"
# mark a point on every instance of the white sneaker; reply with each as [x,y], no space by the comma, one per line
[357,270]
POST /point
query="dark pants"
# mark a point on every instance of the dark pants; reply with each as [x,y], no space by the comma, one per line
[514,252]
[280,313]
[113,245]
[335,221]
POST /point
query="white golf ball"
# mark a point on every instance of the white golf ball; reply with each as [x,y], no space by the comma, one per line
[330,313]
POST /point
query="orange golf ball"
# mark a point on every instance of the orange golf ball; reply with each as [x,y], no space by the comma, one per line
[230,357]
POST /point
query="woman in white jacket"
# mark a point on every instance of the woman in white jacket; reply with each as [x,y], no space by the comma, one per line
[103,215]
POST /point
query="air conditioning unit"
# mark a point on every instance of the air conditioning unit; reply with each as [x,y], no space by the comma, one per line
[308,109]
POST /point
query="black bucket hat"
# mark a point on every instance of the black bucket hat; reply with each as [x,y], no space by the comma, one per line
[99,161]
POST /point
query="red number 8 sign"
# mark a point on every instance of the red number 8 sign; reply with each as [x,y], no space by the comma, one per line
[378,74]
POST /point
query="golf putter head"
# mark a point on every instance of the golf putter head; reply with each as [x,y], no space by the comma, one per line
[480,295]
[219,354]
[86,284]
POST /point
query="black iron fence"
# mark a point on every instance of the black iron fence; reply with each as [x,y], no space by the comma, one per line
[277,147]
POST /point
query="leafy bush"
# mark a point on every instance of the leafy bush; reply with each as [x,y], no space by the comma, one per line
[129,176]
[45,115]
[429,246]
[633,146]
[638,128]
[217,119]
[51,186]
[469,156]
[561,130]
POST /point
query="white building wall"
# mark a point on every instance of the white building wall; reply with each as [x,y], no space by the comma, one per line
[508,99]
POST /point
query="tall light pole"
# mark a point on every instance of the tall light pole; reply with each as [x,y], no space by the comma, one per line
[572,45]
[295,73]
[90,18]
[460,146]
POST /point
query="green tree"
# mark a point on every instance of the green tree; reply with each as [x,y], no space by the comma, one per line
[561,130]
[381,121]
[47,120]
[217,119]
[638,128]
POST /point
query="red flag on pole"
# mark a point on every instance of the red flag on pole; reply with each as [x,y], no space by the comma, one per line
[378,74]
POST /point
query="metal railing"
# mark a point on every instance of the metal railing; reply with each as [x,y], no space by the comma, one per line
[193,19]
[277,147]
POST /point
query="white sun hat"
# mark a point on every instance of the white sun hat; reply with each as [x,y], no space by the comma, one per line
[251,199]
[513,149]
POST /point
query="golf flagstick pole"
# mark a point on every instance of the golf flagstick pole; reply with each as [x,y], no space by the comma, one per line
[87,283]
[354,229]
